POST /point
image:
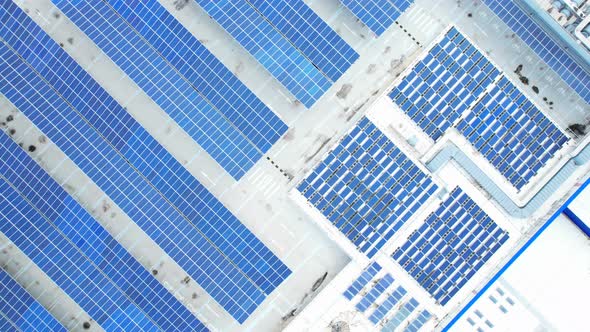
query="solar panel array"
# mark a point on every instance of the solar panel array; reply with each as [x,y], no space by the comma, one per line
[77,253]
[542,43]
[454,242]
[377,15]
[416,324]
[456,86]
[225,259]
[183,78]
[309,34]
[19,311]
[305,66]
[367,188]
[380,298]
[402,314]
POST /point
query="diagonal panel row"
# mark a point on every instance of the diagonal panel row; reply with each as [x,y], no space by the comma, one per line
[87,242]
[377,15]
[270,48]
[128,189]
[210,129]
[148,157]
[544,45]
[203,70]
[309,33]
[19,311]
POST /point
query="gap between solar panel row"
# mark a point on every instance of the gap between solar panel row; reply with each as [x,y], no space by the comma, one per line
[287,38]
[377,15]
[147,157]
[544,45]
[77,253]
[19,311]
[128,189]
[183,78]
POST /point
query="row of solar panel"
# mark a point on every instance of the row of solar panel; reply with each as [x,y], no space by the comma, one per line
[367,187]
[288,39]
[456,86]
[174,69]
[383,297]
[19,311]
[77,253]
[544,45]
[94,131]
[377,15]
[451,246]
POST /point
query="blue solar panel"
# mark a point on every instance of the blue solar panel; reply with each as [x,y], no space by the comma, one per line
[158,167]
[385,307]
[86,243]
[270,48]
[368,273]
[377,15]
[417,323]
[542,43]
[309,34]
[166,226]
[211,129]
[367,187]
[19,311]
[456,86]
[218,85]
[453,243]
[396,320]
[369,299]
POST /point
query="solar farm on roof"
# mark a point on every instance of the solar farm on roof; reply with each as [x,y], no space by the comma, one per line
[271,165]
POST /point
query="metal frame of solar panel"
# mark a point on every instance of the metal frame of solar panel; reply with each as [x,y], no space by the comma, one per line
[452,244]
[367,188]
[148,157]
[544,45]
[213,131]
[455,85]
[204,262]
[272,50]
[52,229]
[359,283]
[19,311]
[309,34]
[404,312]
[377,15]
[385,307]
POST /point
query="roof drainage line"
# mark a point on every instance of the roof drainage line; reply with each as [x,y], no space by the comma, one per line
[452,152]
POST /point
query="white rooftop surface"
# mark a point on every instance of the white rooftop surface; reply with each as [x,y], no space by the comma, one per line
[264,199]
[549,283]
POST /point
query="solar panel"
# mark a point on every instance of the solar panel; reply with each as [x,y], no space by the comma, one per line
[416,324]
[115,176]
[309,34]
[86,243]
[544,45]
[367,187]
[159,168]
[456,86]
[378,288]
[377,15]
[210,129]
[368,273]
[272,50]
[454,242]
[217,84]
[402,314]
[387,305]
[19,311]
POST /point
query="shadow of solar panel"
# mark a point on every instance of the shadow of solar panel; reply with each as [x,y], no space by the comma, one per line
[270,48]
[454,242]
[128,189]
[218,85]
[309,34]
[544,45]
[161,82]
[19,311]
[367,187]
[87,243]
[148,157]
